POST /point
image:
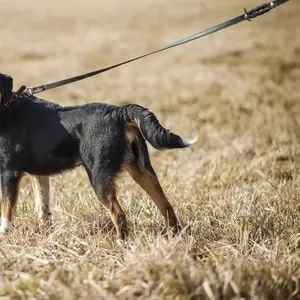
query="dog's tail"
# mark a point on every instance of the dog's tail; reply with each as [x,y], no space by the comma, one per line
[158,136]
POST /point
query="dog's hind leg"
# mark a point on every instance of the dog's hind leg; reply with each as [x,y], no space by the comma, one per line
[148,180]
[143,173]
[10,182]
[103,163]
[106,193]
[42,198]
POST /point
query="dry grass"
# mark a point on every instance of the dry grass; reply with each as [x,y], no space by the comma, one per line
[237,190]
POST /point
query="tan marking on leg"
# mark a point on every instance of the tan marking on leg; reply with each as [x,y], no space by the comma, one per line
[116,212]
[42,197]
[150,183]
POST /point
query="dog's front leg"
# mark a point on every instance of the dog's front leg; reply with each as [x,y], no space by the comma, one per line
[10,182]
[42,198]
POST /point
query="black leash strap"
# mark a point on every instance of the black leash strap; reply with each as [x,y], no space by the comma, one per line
[248,15]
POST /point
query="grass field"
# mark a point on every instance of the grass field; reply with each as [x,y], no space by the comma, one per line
[237,190]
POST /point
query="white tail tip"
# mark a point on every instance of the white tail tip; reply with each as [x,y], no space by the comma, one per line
[188,143]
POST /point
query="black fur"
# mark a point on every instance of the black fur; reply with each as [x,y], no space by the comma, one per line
[42,138]
[38,137]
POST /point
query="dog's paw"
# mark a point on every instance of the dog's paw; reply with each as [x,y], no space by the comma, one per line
[7,225]
[4,225]
[45,218]
[5,229]
[177,229]
[2,230]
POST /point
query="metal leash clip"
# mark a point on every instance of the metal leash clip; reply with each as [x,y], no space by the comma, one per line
[29,91]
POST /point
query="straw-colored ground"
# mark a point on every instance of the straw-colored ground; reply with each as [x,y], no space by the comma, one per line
[237,190]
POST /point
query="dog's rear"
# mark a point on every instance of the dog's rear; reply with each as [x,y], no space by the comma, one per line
[119,137]
[141,125]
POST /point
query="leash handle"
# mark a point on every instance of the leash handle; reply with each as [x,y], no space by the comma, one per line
[248,15]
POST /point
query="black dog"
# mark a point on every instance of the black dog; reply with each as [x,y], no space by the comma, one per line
[41,138]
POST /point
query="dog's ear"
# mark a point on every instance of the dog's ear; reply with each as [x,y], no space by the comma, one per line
[6,86]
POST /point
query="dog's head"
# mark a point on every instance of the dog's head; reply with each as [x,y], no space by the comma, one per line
[6,86]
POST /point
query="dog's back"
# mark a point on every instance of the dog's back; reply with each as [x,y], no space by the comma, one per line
[51,139]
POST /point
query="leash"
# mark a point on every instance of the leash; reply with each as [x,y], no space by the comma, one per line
[247,15]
